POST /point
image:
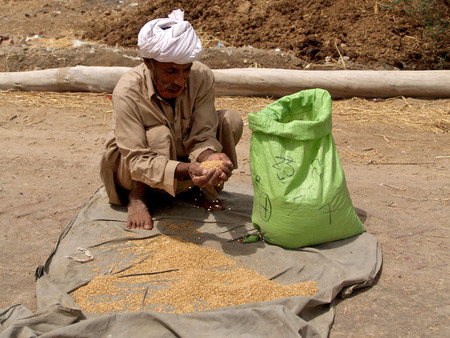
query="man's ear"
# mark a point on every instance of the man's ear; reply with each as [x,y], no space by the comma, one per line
[148,63]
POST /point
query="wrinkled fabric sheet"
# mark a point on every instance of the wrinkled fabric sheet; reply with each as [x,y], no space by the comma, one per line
[338,267]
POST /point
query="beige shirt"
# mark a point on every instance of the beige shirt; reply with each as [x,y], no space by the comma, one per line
[138,108]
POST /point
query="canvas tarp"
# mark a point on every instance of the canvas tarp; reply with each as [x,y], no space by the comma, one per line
[338,267]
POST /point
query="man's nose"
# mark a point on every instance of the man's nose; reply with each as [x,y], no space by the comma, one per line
[179,79]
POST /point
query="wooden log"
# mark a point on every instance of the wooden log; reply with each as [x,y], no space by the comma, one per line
[339,83]
[76,79]
[251,81]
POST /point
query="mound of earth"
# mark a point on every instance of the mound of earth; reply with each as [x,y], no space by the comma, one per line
[311,34]
[399,34]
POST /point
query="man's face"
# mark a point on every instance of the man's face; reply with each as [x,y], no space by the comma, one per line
[169,78]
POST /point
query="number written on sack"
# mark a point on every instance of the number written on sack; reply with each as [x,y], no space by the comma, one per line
[284,167]
[326,209]
[298,199]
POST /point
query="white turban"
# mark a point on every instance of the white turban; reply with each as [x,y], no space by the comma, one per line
[170,40]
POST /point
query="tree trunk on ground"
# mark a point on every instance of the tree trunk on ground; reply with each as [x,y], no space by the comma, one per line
[251,81]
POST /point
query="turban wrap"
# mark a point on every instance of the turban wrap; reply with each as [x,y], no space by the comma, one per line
[170,39]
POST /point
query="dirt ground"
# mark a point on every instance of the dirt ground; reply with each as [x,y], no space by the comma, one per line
[395,155]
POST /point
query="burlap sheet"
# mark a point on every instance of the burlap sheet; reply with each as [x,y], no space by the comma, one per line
[338,267]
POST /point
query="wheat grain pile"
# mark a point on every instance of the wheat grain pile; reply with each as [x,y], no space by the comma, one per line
[179,277]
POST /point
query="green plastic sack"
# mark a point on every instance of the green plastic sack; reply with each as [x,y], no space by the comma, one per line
[300,193]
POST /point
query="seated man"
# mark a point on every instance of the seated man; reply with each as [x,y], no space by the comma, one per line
[165,124]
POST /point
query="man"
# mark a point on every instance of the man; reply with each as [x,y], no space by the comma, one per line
[165,124]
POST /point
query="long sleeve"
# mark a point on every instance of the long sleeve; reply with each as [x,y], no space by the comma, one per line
[204,121]
[145,163]
[141,116]
[134,113]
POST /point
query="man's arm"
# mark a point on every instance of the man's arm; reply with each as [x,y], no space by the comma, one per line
[145,165]
[204,118]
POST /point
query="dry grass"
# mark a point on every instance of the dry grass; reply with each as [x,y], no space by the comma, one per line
[67,100]
[243,105]
[83,103]
[208,40]
[62,42]
[429,115]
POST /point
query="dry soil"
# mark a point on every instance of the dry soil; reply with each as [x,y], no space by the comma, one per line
[395,154]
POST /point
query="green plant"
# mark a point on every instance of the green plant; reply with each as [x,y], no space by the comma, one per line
[441,62]
[432,14]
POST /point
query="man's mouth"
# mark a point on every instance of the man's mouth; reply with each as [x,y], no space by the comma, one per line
[170,87]
[174,89]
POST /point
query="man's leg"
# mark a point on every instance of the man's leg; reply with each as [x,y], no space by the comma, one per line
[108,167]
[138,215]
[229,133]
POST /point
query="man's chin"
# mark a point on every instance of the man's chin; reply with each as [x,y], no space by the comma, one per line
[167,94]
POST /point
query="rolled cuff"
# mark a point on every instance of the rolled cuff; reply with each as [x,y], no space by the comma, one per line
[168,183]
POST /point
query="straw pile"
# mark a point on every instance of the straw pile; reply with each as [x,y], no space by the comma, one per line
[180,277]
[427,115]
[80,101]
[60,42]
[208,40]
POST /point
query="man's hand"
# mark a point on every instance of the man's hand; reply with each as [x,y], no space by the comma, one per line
[203,177]
[226,168]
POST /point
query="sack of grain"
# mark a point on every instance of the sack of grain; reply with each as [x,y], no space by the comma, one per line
[300,193]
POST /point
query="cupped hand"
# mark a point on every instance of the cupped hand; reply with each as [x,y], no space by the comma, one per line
[226,168]
[203,177]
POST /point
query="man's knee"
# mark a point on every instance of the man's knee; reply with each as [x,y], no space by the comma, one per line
[232,121]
